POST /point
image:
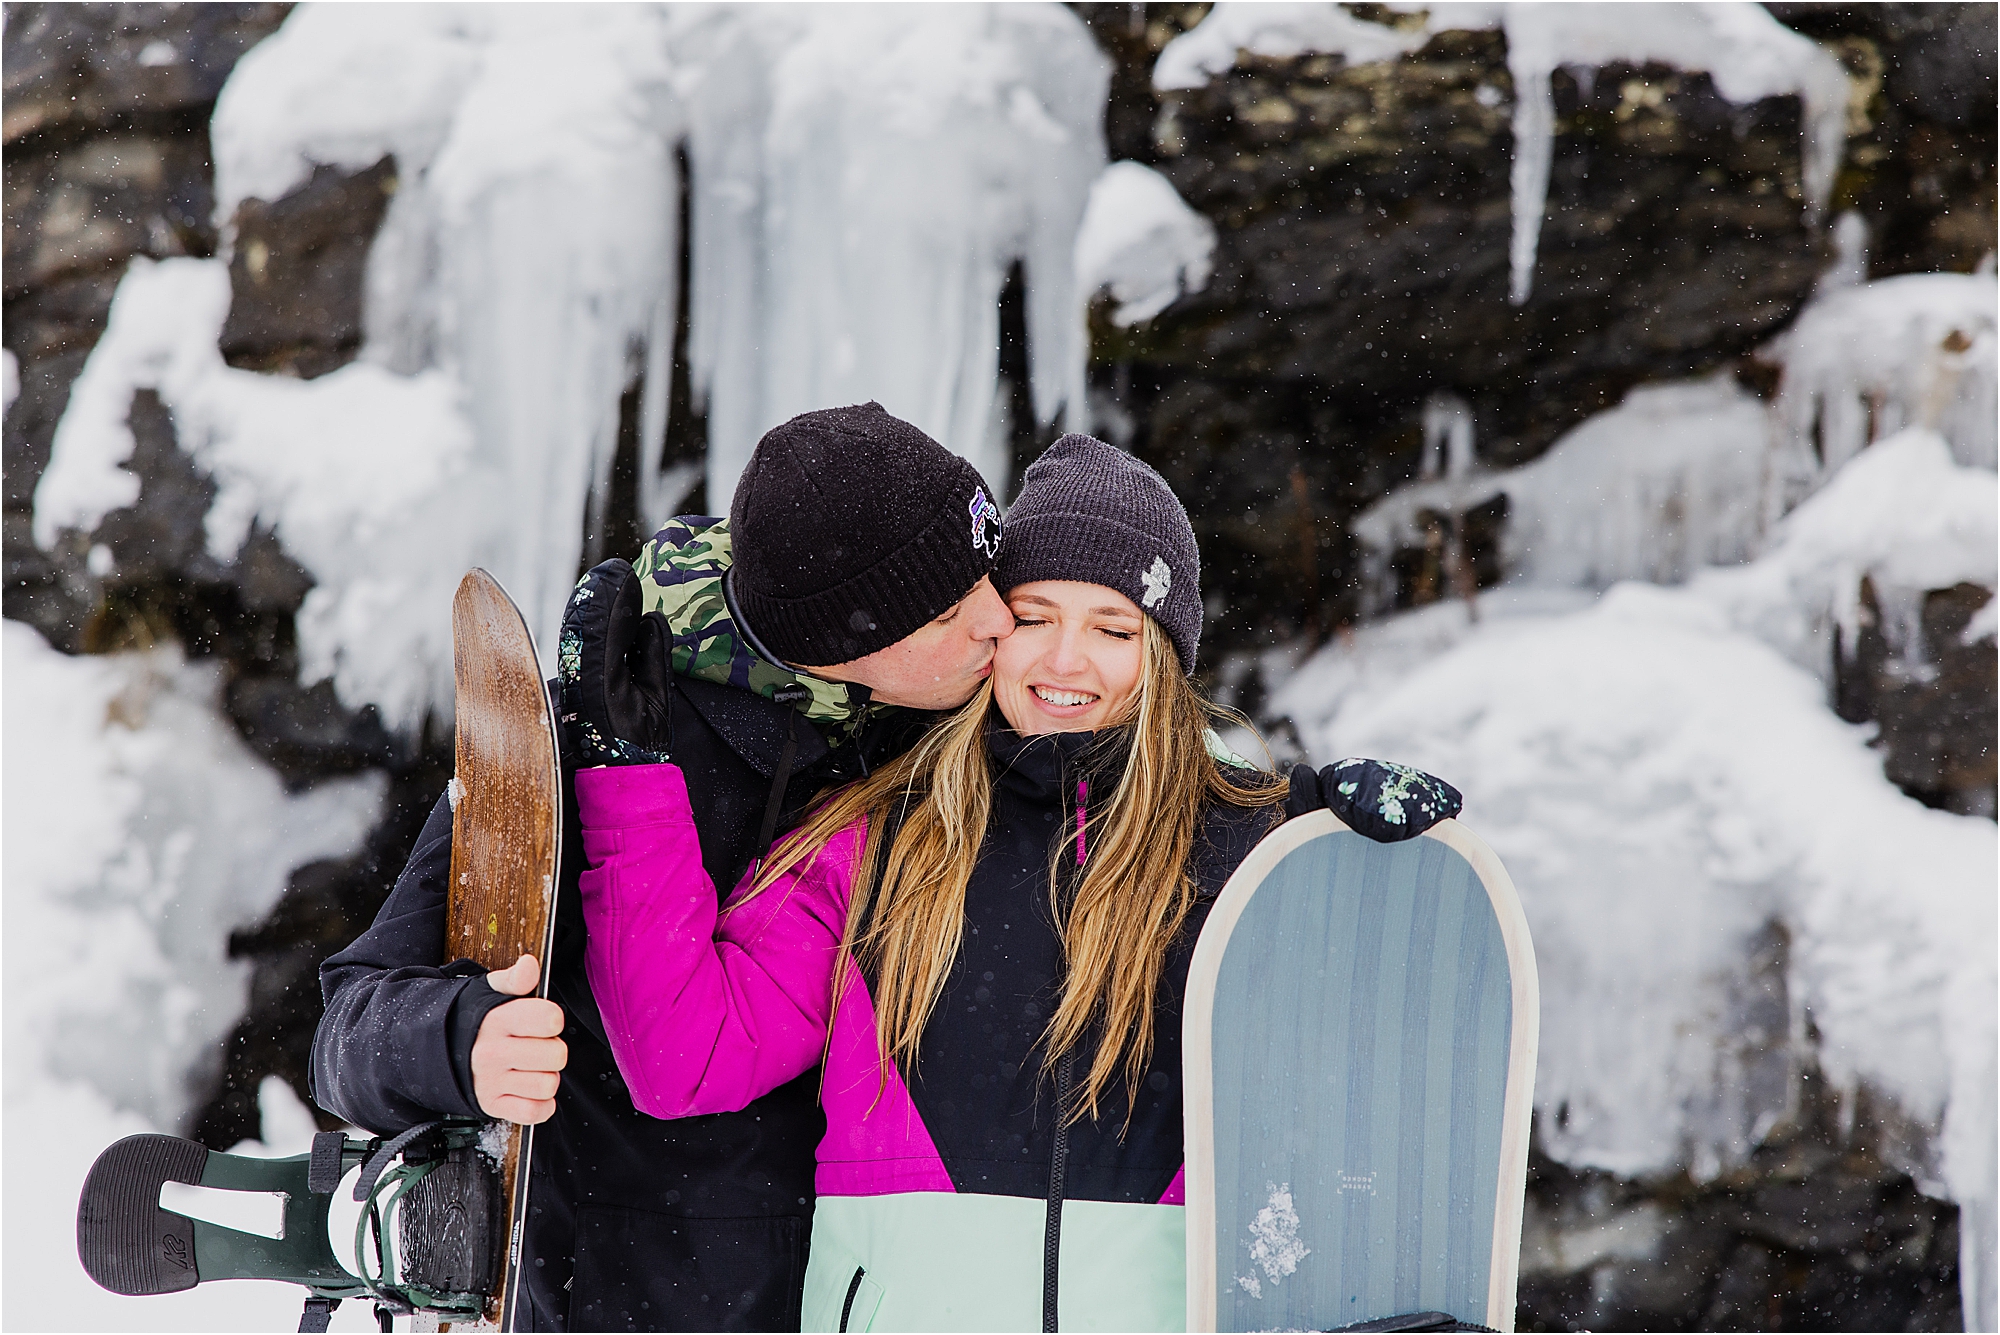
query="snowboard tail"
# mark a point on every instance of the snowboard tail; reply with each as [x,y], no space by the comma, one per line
[451,1224]
[1360,1039]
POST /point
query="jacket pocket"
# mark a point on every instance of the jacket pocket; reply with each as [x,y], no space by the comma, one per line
[638,1270]
[839,1295]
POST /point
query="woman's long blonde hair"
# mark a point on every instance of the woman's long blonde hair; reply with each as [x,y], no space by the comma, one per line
[906,916]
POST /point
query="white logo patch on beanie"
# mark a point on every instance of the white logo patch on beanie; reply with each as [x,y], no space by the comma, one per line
[1158,579]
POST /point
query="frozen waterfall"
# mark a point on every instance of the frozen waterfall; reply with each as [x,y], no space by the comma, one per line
[863,181]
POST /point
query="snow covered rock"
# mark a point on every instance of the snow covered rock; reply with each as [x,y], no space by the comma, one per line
[1279,30]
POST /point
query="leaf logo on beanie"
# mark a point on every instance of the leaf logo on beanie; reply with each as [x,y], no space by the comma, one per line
[1158,579]
[985,516]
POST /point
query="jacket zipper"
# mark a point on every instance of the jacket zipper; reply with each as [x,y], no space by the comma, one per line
[1058,1170]
[1059,1154]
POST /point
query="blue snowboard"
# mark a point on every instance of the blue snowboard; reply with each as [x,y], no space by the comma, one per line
[1360,1041]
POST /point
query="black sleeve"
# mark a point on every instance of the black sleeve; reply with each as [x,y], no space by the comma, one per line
[394,1047]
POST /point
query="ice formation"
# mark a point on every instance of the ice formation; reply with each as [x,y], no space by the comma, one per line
[1666,482]
[140,829]
[1140,240]
[864,179]
[1748,54]
[1707,855]
[862,182]
[527,255]
[1866,361]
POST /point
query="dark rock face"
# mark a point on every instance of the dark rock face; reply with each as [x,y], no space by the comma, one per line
[76,66]
[1362,264]
[1364,224]
[1921,167]
[296,275]
[1933,697]
[1816,1232]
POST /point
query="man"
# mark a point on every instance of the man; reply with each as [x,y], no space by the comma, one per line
[790,648]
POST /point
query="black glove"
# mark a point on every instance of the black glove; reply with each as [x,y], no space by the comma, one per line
[614,664]
[1379,798]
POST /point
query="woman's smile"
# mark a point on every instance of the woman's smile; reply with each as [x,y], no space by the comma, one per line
[1074,660]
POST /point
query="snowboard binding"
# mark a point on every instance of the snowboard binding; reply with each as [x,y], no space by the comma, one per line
[440,1179]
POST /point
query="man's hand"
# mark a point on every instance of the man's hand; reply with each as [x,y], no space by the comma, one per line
[519,1051]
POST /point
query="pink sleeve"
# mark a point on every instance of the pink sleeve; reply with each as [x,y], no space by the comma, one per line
[702,1017]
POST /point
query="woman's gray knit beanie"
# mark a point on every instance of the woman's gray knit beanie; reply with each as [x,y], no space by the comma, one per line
[1090,512]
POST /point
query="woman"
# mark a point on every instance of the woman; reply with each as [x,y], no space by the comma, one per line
[985,942]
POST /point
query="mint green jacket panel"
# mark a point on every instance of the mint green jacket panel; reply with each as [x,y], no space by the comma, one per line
[959,1261]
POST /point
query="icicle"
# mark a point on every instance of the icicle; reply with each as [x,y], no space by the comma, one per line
[1749,55]
[1901,613]
[1530,59]
[1448,436]
[1850,255]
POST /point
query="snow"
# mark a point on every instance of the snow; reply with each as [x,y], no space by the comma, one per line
[1866,361]
[1706,854]
[1140,240]
[1748,54]
[1277,30]
[138,831]
[1666,482]
[1273,1241]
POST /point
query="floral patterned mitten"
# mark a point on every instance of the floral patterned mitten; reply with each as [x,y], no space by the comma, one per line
[1378,798]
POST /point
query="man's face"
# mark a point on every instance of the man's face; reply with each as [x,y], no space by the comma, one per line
[941,663]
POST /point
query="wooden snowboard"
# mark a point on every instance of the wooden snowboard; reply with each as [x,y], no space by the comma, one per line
[506,835]
[1360,1038]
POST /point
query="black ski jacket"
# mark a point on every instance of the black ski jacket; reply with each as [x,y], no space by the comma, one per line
[634,1223]
[979,1082]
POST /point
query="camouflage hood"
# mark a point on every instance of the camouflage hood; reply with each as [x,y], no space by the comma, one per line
[680,575]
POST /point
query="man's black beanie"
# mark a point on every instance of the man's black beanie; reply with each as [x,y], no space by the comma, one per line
[1090,512]
[850,529]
